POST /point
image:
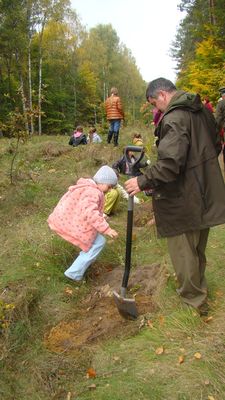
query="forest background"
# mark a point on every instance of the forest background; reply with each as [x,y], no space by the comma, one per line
[65,341]
[54,74]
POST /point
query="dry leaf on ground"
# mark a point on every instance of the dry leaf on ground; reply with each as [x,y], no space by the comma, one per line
[91,373]
[149,323]
[208,319]
[68,291]
[92,386]
[159,350]
[115,358]
[181,359]
[197,356]
[161,319]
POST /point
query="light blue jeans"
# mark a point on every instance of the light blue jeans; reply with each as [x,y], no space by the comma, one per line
[83,261]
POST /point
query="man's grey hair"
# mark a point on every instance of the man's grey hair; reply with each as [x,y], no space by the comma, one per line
[155,86]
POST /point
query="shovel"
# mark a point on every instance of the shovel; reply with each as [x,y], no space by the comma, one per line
[127,306]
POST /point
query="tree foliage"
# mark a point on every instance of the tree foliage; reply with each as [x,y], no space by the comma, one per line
[199,47]
[52,67]
[58,74]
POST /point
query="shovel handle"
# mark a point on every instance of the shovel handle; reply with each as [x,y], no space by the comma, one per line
[134,149]
[128,243]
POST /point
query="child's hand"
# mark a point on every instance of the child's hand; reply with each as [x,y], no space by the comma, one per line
[112,233]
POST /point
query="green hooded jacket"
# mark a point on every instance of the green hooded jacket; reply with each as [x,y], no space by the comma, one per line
[189,190]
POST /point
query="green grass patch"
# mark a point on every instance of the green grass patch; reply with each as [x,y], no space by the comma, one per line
[159,361]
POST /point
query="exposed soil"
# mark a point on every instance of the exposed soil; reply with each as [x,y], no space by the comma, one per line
[97,317]
[143,214]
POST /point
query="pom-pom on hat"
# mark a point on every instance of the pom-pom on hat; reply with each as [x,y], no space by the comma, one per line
[106,175]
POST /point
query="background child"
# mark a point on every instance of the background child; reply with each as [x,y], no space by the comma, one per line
[78,137]
[78,218]
[123,167]
[137,139]
[93,136]
[208,104]
[113,197]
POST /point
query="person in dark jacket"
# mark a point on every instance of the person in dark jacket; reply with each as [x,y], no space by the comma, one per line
[122,166]
[78,137]
[189,191]
[220,120]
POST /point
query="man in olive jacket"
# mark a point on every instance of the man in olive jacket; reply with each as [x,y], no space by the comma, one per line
[189,191]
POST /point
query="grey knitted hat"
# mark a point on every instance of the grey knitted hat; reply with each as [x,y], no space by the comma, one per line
[106,175]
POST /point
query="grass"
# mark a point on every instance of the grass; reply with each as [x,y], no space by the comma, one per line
[157,363]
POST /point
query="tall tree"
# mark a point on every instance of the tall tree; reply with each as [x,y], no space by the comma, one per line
[13,30]
[113,65]
[199,48]
[45,11]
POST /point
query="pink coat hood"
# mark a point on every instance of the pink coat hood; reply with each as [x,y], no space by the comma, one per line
[78,216]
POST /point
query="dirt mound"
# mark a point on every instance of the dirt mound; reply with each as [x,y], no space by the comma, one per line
[143,214]
[97,317]
[52,149]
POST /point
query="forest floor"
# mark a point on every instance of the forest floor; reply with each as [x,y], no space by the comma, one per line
[62,340]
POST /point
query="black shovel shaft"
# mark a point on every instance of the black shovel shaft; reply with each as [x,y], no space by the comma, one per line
[128,242]
[135,149]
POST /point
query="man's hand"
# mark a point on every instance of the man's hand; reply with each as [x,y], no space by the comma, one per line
[132,186]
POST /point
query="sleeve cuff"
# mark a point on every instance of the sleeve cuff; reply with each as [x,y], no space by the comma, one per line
[143,182]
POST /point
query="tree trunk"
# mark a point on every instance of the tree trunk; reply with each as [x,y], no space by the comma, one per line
[40,76]
[212,12]
[30,90]
[40,94]
[75,103]
[95,115]
[8,67]
[23,98]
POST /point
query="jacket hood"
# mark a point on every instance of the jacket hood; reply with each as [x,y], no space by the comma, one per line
[186,101]
[82,182]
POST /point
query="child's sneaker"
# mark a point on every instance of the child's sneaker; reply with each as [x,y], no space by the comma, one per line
[78,279]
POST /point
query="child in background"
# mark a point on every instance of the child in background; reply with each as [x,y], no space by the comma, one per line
[207,104]
[78,137]
[123,167]
[113,197]
[78,218]
[157,116]
[93,136]
[137,139]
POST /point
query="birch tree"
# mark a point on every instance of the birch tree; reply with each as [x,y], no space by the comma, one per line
[47,10]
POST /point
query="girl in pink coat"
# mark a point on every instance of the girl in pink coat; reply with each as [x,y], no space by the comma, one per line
[78,218]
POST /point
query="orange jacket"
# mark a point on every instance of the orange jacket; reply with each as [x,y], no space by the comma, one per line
[113,107]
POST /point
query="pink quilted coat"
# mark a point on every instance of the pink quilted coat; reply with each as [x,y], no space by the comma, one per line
[78,216]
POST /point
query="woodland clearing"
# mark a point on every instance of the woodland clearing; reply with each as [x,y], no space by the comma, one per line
[66,341]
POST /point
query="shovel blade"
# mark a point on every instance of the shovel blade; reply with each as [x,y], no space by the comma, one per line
[126,307]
